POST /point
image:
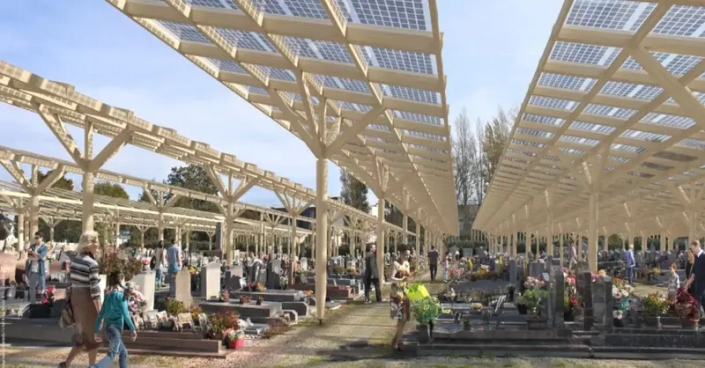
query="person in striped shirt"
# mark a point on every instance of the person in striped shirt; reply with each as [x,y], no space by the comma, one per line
[85,297]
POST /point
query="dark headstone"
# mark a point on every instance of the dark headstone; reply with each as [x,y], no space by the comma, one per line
[588,313]
[558,295]
[274,273]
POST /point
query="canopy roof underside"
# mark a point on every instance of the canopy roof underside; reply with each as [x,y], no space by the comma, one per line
[373,68]
[59,103]
[617,107]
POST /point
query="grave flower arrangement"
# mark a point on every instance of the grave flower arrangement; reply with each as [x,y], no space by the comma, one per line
[135,300]
[235,338]
[621,293]
[174,307]
[219,325]
[48,298]
[145,264]
[113,260]
[534,283]
[656,305]
[455,274]
[308,292]
[244,299]
[532,299]
[195,313]
[338,270]
[686,307]
[426,310]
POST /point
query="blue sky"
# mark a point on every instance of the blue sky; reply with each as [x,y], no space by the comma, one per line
[490,53]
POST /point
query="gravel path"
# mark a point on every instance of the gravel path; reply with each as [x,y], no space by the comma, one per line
[356,335]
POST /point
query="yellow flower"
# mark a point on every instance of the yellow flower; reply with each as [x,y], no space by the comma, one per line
[602,273]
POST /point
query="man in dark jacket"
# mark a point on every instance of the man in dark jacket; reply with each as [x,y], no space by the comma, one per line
[433,262]
[697,277]
[372,275]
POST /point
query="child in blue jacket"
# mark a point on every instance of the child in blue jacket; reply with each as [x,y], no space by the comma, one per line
[115,314]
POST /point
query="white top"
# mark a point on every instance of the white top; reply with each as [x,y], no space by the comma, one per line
[159,257]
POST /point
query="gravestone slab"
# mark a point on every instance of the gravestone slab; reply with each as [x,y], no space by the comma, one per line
[274,272]
[210,280]
[183,288]
[558,295]
[146,283]
[585,289]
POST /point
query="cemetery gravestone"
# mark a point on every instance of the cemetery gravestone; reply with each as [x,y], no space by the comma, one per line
[602,302]
[585,289]
[558,292]
[274,272]
[183,288]
[210,281]
[146,282]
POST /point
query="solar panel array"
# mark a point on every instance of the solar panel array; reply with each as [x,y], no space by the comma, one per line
[59,104]
[285,57]
[620,96]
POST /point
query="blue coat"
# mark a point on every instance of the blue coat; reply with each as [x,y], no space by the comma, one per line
[41,258]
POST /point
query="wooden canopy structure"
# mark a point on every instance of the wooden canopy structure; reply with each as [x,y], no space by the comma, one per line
[609,139]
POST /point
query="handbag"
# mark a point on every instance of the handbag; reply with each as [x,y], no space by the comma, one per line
[67,318]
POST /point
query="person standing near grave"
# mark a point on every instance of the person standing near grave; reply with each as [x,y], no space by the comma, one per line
[36,267]
[689,263]
[697,276]
[372,275]
[159,263]
[399,304]
[631,263]
[433,262]
[174,264]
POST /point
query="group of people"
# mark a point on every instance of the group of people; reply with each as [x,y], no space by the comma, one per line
[170,259]
[89,315]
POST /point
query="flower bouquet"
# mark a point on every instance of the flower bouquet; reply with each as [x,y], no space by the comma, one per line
[112,260]
[48,296]
[145,264]
[135,300]
[687,308]
[534,283]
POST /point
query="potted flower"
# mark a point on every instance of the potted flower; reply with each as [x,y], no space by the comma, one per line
[570,303]
[244,299]
[174,307]
[196,313]
[687,309]
[283,282]
[655,306]
[235,339]
[533,298]
[145,264]
[426,311]
[338,270]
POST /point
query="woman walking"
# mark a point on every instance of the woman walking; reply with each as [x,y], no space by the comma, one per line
[85,298]
[399,310]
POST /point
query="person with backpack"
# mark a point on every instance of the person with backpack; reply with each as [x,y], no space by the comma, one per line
[116,315]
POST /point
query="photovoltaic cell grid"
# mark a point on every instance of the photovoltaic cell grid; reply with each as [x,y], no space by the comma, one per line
[420,101]
[646,145]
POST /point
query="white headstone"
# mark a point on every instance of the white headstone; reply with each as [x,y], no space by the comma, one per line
[210,280]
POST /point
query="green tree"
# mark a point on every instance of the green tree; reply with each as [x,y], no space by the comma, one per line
[110,190]
[193,177]
[354,192]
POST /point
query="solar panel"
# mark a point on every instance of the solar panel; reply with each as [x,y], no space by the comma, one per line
[299,38]
[593,35]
